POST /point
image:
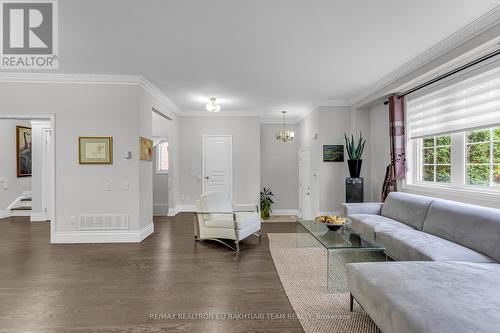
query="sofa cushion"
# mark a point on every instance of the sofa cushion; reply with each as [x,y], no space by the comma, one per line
[243,220]
[369,225]
[472,226]
[419,246]
[431,297]
[407,208]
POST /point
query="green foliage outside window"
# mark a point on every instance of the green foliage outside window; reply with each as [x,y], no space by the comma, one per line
[436,159]
[483,157]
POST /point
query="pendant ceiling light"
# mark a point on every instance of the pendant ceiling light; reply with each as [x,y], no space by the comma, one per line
[285,134]
[212,106]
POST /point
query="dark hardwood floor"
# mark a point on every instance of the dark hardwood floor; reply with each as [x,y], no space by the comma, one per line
[139,287]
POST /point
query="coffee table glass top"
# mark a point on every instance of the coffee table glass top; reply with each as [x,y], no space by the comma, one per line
[343,238]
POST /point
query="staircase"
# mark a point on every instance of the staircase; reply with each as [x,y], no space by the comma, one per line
[21,206]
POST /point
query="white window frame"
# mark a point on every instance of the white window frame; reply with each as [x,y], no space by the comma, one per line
[458,186]
[158,158]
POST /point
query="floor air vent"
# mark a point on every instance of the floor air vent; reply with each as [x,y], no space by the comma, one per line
[103,222]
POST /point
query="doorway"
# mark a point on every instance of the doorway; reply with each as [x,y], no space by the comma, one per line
[161,161]
[217,170]
[29,189]
[305,183]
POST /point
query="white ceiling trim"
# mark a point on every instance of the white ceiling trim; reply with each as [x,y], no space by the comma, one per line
[60,78]
[482,24]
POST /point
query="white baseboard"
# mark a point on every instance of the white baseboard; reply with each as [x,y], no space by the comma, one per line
[186,208]
[107,236]
[294,212]
[5,214]
[38,217]
[174,211]
[146,231]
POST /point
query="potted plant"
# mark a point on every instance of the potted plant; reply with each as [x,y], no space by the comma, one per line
[265,203]
[355,151]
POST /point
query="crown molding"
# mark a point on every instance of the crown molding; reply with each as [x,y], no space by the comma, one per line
[62,78]
[480,25]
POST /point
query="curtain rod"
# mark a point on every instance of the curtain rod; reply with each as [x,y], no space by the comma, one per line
[450,73]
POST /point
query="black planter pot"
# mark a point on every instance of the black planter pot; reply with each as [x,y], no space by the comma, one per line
[354,168]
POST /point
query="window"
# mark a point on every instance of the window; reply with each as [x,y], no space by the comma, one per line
[483,157]
[162,157]
[436,159]
[454,132]
[470,158]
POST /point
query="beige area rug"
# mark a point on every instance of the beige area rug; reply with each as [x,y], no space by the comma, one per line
[303,274]
[281,218]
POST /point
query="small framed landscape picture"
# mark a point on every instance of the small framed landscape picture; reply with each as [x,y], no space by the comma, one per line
[95,149]
[333,153]
[146,147]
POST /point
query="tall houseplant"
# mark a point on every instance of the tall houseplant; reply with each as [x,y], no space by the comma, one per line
[265,203]
[355,151]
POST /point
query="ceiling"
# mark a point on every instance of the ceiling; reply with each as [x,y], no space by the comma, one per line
[257,56]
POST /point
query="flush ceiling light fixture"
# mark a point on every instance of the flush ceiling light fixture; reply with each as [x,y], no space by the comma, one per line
[212,106]
[285,135]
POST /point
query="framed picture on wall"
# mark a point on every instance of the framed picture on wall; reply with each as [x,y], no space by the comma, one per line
[95,149]
[333,153]
[146,149]
[23,151]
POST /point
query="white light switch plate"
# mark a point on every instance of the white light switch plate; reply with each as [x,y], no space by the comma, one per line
[107,187]
[126,186]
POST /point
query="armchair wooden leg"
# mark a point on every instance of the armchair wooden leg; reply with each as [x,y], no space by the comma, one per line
[351,302]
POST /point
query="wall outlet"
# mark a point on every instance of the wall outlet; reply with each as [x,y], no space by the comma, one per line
[72,220]
[126,186]
[107,187]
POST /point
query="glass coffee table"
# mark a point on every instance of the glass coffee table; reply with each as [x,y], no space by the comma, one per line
[343,246]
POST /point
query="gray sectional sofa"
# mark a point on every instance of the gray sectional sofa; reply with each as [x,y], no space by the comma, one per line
[446,277]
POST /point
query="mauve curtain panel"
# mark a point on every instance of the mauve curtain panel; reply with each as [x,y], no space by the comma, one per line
[397,135]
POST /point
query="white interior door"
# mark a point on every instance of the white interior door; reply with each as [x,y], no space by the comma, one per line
[47,173]
[305,184]
[217,164]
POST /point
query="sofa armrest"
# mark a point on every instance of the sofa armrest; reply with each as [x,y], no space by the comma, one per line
[246,208]
[374,208]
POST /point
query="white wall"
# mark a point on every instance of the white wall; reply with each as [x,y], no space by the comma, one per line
[307,128]
[333,123]
[379,148]
[8,167]
[246,156]
[160,188]
[91,110]
[279,167]
[170,129]
[37,190]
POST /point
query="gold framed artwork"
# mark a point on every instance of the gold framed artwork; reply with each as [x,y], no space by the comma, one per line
[146,149]
[95,149]
[23,151]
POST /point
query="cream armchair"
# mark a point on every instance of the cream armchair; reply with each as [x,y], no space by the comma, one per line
[218,220]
